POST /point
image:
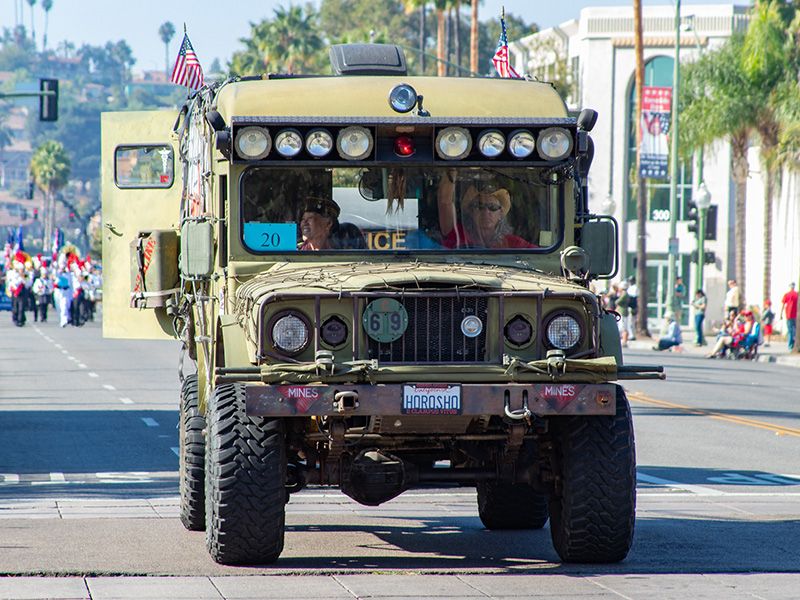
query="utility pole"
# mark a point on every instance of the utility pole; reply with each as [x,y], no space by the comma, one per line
[673,184]
[641,187]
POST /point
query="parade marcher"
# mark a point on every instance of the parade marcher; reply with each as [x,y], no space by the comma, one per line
[42,289]
[19,283]
[63,295]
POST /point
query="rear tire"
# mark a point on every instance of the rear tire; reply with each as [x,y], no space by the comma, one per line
[593,511]
[511,506]
[192,458]
[245,482]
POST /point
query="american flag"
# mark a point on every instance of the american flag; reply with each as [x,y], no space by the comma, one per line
[500,58]
[187,70]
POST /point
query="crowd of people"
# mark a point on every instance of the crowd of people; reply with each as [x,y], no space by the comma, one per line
[742,331]
[68,284]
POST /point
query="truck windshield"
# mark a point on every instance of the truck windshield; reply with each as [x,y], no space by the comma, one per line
[379,209]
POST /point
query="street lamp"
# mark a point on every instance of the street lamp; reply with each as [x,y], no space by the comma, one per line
[702,198]
[673,187]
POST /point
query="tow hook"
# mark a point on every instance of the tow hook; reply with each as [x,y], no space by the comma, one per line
[521,414]
[556,363]
[345,401]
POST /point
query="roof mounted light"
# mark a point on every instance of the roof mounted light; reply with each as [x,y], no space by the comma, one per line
[491,143]
[521,143]
[453,143]
[554,143]
[354,143]
[253,143]
[402,98]
[289,143]
[319,142]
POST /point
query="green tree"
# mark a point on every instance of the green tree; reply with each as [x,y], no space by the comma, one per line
[717,102]
[166,32]
[46,5]
[50,169]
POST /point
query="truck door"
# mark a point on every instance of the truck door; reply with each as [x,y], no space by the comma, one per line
[141,191]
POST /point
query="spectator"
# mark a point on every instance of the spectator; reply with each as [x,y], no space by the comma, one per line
[623,308]
[789,309]
[767,318]
[672,339]
[633,303]
[732,299]
[699,303]
[734,334]
[678,298]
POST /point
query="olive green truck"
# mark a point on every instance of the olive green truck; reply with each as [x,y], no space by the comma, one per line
[379,281]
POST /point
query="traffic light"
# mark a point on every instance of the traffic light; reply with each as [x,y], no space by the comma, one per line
[694,218]
[711,222]
[35,214]
[31,189]
[709,257]
[72,217]
[48,101]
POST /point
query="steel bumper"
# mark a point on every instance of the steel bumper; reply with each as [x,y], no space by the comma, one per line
[542,399]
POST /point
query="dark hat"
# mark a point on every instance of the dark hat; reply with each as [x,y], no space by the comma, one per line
[323,206]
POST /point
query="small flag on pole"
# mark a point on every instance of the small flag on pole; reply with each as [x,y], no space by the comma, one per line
[500,58]
[187,70]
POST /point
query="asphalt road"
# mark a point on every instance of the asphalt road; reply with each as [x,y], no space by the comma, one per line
[88,480]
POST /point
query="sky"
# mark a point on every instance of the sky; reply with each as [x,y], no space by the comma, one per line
[215,27]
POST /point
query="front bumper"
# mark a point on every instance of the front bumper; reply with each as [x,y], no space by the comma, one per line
[540,399]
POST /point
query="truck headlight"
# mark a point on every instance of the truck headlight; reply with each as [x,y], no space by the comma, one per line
[288,143]
[563,332]
[521,143]
[253,143]
[491,143]
[555,143]
[319,143]
[289,333]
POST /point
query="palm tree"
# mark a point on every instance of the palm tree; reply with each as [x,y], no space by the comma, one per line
[410,6]
[166,32]
[473,37]
[33,31]
[50,169]
[441,6]
[46,5]
[718,101]
[6,139]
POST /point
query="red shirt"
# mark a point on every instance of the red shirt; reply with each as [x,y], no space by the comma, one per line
[790,304]
[458,238]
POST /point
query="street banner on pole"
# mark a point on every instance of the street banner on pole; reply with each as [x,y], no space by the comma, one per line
[654,157]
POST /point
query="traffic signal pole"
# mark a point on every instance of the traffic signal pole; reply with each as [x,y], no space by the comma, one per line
[673,187]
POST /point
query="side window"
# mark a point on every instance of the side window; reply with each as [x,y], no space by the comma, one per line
[144,166]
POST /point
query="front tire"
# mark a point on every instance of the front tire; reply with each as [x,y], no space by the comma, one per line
[511,506]
[593,510]
[245,482]
[192,457]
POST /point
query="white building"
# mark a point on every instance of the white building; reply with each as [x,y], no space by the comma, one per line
[596,53]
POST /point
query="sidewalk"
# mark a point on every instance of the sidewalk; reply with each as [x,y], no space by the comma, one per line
[776,352]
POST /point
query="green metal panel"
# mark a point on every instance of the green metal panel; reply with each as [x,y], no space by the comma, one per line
[126,212]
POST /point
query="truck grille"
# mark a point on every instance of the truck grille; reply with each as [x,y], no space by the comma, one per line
[434,332]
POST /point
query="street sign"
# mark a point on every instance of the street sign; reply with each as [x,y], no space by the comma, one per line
[673,246]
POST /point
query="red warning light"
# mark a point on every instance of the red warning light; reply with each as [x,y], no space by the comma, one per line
[403,145]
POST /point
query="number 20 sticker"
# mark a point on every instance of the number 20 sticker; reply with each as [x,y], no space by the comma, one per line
[385,320]
[270,237]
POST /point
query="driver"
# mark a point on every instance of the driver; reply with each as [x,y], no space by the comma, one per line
[319,219]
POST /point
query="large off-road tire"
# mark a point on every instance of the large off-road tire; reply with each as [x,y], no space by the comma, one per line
[192,458]
[511,506]
[593,510]
[245,482]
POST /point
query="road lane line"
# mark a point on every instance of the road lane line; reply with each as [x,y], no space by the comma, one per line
[126,400]
[92,374]
[109,387]
[150,422]
[81,366]
[778,429]
[699,490]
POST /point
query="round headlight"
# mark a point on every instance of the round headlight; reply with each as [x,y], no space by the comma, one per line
[555,143]
[354,143]
[288,143]
[471,326]
[453,143]
[563,332]
[521,143]
[402,98]
[491,143]
[253,143]
[290,334]
[319,143]
[519,331]
[334,331]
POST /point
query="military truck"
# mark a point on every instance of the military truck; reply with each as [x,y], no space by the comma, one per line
[379,281]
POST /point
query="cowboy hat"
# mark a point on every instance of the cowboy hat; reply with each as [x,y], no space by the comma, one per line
[501,196]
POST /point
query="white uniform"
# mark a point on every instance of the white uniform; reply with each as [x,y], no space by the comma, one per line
[63,293]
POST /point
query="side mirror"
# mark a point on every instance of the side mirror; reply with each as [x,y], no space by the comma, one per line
[599,241]
[197,249]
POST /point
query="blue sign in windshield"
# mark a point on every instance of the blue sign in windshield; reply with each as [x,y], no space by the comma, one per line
[270,237]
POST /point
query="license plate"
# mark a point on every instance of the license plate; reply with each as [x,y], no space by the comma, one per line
[431,399]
